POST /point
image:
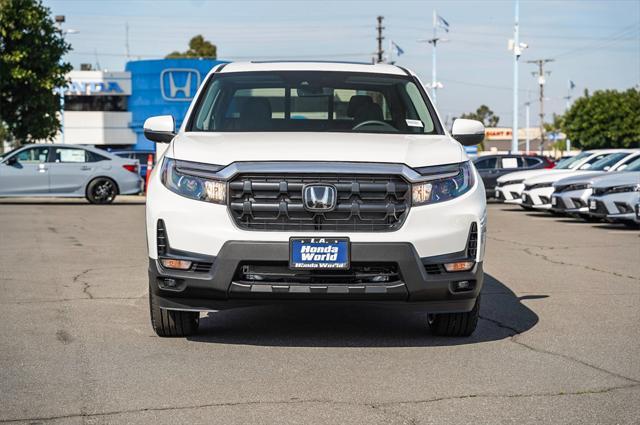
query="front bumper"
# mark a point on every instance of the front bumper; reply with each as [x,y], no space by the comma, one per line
[615,206]
[539,198]
[421,283]
[510,193]
[571,202]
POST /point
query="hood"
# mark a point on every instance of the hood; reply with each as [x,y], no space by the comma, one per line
[618,179]
[554,177]
[226,148]
[586,177]
[527,174]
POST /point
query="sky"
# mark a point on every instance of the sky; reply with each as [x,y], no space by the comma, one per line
[595,44]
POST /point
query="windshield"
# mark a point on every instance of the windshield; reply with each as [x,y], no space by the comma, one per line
[571,162]
[313,101]
[633,166]
[606,162]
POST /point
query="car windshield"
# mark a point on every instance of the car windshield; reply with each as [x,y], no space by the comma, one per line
[633,165]
[606,162]
[313,101]
[571,162]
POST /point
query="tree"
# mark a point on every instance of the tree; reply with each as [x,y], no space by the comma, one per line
[198,48]
[604,119]
[31,49]
[485,115]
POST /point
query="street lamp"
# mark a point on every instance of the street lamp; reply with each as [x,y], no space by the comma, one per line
[60,19]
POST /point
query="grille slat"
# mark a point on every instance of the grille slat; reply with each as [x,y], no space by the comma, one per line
[364,202]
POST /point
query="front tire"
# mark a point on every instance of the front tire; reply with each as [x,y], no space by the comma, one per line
[101,190]
[455,324]
[171,323]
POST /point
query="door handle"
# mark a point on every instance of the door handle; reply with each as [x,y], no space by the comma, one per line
[42,168]
[85,168]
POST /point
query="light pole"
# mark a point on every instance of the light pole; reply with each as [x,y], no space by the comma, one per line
[517,48]
[60,19]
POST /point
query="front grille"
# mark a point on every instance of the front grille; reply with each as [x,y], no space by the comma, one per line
[472,244]
[161,238]
[365,203]
[279,272]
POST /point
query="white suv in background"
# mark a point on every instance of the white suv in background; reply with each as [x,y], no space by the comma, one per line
[307,182]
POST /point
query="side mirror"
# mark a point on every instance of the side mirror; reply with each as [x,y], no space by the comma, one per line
[12,161]
[468,132]
[160,129]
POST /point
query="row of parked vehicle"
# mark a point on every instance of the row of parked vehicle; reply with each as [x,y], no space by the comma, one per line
[593,185]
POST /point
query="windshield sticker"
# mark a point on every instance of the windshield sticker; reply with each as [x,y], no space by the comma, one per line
[414,123]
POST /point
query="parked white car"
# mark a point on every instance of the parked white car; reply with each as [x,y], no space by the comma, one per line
[537,190]
[616,197]
[297,182]
[510,186]
[571,194]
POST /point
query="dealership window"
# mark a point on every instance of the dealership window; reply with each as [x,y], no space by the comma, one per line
[96,103]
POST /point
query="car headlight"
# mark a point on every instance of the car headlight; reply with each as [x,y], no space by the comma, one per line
[442,183]
[191,181]
[625,188]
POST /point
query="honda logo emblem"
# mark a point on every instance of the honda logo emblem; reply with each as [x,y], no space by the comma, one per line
[319,197]
[179,84]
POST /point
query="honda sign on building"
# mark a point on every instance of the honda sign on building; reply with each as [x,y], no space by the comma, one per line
[163,87]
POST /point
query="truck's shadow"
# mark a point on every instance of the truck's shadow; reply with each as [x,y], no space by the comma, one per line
[503,314]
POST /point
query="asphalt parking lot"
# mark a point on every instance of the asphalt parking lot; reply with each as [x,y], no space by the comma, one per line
[559,339]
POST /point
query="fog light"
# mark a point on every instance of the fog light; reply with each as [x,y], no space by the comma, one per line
[460,266]
[170,263]
[462,285]
[169,283]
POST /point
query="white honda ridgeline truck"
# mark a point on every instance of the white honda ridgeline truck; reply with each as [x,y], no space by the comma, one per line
[295,182]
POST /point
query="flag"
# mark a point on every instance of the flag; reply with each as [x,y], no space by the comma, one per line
[572,85]
[397,49]
[442,23]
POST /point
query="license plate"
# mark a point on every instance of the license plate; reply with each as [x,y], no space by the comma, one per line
[319,253]
[592,205]
[554,201]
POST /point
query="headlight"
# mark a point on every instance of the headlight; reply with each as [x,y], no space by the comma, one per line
[625,188]
[185,182]
[443,183]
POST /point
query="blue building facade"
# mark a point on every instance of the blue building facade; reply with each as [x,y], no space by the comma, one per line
[163,87]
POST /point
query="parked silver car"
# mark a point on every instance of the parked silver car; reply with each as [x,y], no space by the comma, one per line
[68,171]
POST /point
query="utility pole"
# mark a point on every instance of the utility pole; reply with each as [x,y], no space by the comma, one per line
[380,52]
[570,87]
[541,82]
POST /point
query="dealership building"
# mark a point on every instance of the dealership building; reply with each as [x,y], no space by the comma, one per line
[108,109]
